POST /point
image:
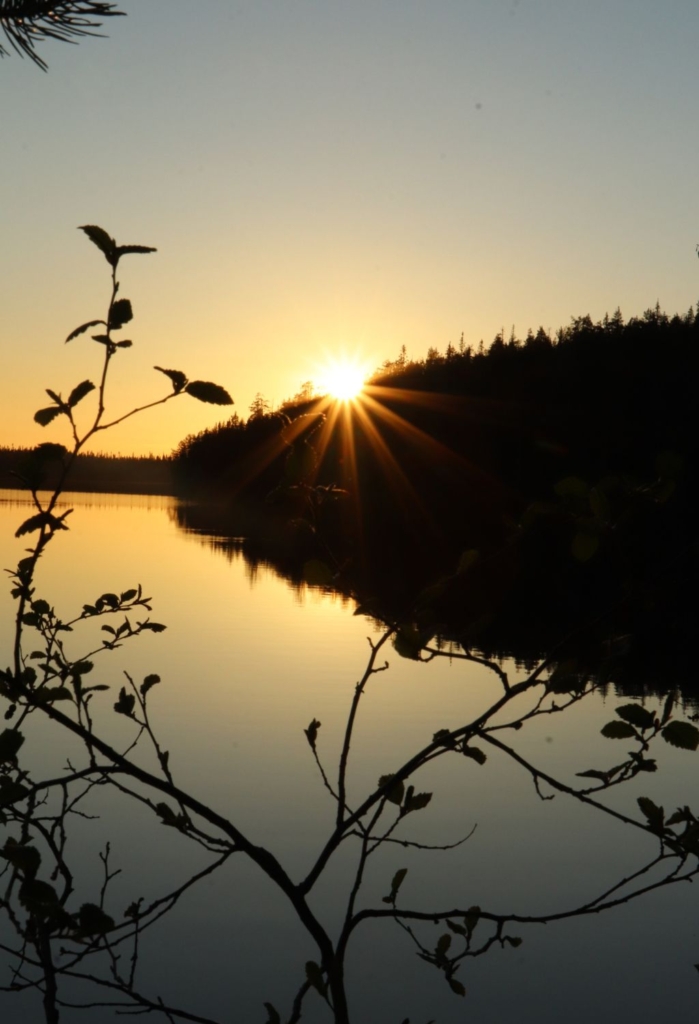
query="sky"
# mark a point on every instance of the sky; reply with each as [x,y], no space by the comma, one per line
[336,178]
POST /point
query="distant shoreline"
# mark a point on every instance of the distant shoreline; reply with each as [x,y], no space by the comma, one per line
[101,474]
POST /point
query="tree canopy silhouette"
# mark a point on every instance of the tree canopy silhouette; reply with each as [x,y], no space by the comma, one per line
[27,22]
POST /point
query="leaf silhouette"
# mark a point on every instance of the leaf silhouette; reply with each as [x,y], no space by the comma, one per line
[147,683]
[40,519]
[475,753]
[124,250]
[44,416]
[79,392]
[120,313]
[395,792]
[636,715]
[655,815]
[10,742]
[205,391]
[618,731]
[104,242]
[83,328]
[682,735]
[178,378]
[92,920]
[125,704]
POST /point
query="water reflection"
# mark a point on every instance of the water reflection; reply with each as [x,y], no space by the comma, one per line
[245,670]
[643,646]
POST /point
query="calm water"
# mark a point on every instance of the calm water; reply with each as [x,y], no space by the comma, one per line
[246,663]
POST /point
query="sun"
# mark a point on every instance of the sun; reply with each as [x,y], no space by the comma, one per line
[342,379]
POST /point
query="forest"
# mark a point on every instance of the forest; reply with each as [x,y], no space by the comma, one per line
[521,487]
[114,474]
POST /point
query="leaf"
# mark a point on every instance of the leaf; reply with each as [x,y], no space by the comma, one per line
[26,859]
[682,735]
[11,792]
[272,1014]
[443,945]
[681,815]
[513,940]
[317,573]
[178,378]
[409,641]
[83,328]
[104,242]
[50,694]
[41,607]
[120,313]
[594,774]
[81,668]
[79,392]
[39,520]
[416,801]
[10,743]
[566,677]
[636,715]
[155,627]
[571,487]
[44,416]
[617,731]
[92,920]
[468,558]
[394,792]
[654,814]
[129,595]
[126,702]
[149,682]
[471,918]
[126,343]
[396,883]
[168,816]
[314,976]
[475,753]
[667,708]
[205,391]
[456,986]
[125,250]
[366,607]
[584,545]
[312,733]
[38,897]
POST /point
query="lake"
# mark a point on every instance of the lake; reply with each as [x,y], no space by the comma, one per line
[247,661]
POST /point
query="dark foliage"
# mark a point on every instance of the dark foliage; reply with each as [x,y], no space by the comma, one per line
[27,22]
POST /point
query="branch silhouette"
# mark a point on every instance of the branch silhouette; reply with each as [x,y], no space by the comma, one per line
[58,940]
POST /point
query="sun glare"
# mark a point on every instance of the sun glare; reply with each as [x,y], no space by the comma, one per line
[342,380]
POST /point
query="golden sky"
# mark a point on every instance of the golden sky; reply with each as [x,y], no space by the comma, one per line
[325,178]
